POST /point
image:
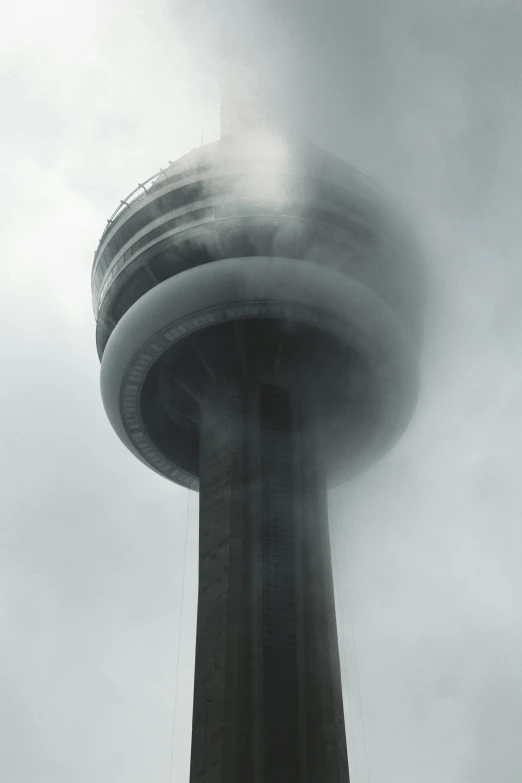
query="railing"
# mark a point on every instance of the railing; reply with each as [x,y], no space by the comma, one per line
[142,190]
[136,195]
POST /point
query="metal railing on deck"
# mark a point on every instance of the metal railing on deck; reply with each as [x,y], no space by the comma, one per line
[136,195]
[143,189]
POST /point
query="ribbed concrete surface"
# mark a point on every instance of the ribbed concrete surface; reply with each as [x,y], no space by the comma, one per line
[267,696]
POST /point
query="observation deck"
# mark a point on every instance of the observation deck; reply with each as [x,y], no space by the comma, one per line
[202,208]
[257,230]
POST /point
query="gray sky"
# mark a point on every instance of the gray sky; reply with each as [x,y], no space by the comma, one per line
[425,97]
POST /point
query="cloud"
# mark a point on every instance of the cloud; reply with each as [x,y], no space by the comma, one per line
[424,97]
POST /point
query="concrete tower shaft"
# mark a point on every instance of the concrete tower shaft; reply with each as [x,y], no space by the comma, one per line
[267,699]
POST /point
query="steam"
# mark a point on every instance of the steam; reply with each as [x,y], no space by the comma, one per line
[264,158]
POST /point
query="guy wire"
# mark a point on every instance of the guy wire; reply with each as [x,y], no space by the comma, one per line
[340,621]
[179,640]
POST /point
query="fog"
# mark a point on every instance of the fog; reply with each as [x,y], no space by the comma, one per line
[97,608]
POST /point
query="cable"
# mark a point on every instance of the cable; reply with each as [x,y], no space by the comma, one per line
[345,662]
[358,684]
[179,640]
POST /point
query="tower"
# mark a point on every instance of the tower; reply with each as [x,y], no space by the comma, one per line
[258,320]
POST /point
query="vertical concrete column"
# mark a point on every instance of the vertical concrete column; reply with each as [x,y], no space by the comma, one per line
[267,694]
[279,587]
[326,756]
[220,695]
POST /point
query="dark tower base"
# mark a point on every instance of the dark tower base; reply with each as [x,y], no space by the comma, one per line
[267,696]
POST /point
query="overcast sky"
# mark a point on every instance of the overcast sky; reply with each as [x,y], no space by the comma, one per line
[426,98]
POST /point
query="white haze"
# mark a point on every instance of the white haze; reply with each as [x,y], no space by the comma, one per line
[424,97]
